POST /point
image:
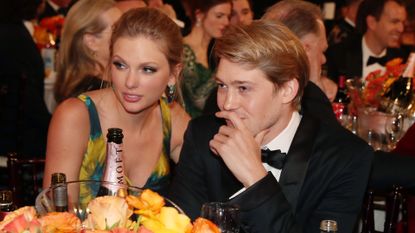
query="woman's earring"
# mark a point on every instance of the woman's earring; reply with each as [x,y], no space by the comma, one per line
[171,93]
[198,23]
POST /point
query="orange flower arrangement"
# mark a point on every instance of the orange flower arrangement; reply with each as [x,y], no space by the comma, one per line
[48,30]
[377,83]
[110,214]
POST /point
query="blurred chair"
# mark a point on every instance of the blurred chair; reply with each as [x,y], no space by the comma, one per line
[25,178]
[392,202]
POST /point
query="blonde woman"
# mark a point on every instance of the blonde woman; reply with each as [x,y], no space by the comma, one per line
[84,49]
[146,54]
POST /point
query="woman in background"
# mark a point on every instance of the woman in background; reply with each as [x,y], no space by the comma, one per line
[242,12]
[146,54]
[84,48]
[209,19]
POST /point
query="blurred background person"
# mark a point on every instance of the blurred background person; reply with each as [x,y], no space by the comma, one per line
[55,7]
[306,21]
[242,12]
[146,55]
[209,20]
[125,5]
[380,24]
[84,50]
[346,26]
[167,9]
[24,118]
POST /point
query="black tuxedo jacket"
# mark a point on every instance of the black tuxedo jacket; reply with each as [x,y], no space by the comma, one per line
[50,11]
[324,177]
[24,118]
[346,58]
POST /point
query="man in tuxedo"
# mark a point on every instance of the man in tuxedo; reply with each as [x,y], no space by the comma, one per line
[301,18]
[306,171]
[381,22]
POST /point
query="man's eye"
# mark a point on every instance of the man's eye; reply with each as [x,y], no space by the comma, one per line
[118,65]
[150,70]
[242,88]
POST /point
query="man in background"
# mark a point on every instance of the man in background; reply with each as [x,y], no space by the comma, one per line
[381,24]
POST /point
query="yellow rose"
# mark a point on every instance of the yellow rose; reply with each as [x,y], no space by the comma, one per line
[107,212]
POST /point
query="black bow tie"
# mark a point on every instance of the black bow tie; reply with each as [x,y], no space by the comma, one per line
[380,60]
[274,158]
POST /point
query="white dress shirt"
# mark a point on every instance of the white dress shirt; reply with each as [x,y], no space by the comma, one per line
[281,142]
[366,53]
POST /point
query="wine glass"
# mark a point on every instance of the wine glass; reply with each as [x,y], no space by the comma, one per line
[394,130]
[224,215]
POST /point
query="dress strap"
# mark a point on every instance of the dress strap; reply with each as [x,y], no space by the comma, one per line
[95,125]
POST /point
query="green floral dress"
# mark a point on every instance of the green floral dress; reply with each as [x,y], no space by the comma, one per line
[93,163]
[197,83]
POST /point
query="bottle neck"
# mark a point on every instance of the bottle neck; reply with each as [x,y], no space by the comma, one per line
[342,81]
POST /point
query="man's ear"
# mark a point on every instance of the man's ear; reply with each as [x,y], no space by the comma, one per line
[371,22]
[289,90]
[90,41]
[175,74]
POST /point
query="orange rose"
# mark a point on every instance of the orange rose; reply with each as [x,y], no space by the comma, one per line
[148,200]
[202,225]
[60,222]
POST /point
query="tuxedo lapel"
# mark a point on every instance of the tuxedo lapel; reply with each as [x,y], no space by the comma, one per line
[298,156]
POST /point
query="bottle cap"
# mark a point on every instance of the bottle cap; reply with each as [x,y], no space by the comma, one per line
[115,135]
[58,178]
[328,225]
[6,197]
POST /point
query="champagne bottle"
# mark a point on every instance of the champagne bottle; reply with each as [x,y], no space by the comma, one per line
[60,192]
[342,99]
[328,226]
[399,94]
[6,203]
[114,167]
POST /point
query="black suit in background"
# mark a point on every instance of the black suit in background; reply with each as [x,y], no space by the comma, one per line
[24,118]
[49,11]
[324,177]
[346,58]
[340,32]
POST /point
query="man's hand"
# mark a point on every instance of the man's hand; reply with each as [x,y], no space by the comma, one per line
[239,149]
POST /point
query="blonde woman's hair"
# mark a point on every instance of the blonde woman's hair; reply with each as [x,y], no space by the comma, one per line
[75,59]
[270,47]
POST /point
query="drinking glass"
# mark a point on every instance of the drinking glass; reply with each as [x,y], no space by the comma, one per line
[224,215]
[394,130]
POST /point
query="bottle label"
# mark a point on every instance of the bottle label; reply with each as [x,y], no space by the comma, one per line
[338,109]
[60,197]
[114,170]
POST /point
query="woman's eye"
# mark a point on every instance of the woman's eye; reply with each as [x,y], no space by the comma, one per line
[118,65]
[150,70]
[220,85]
